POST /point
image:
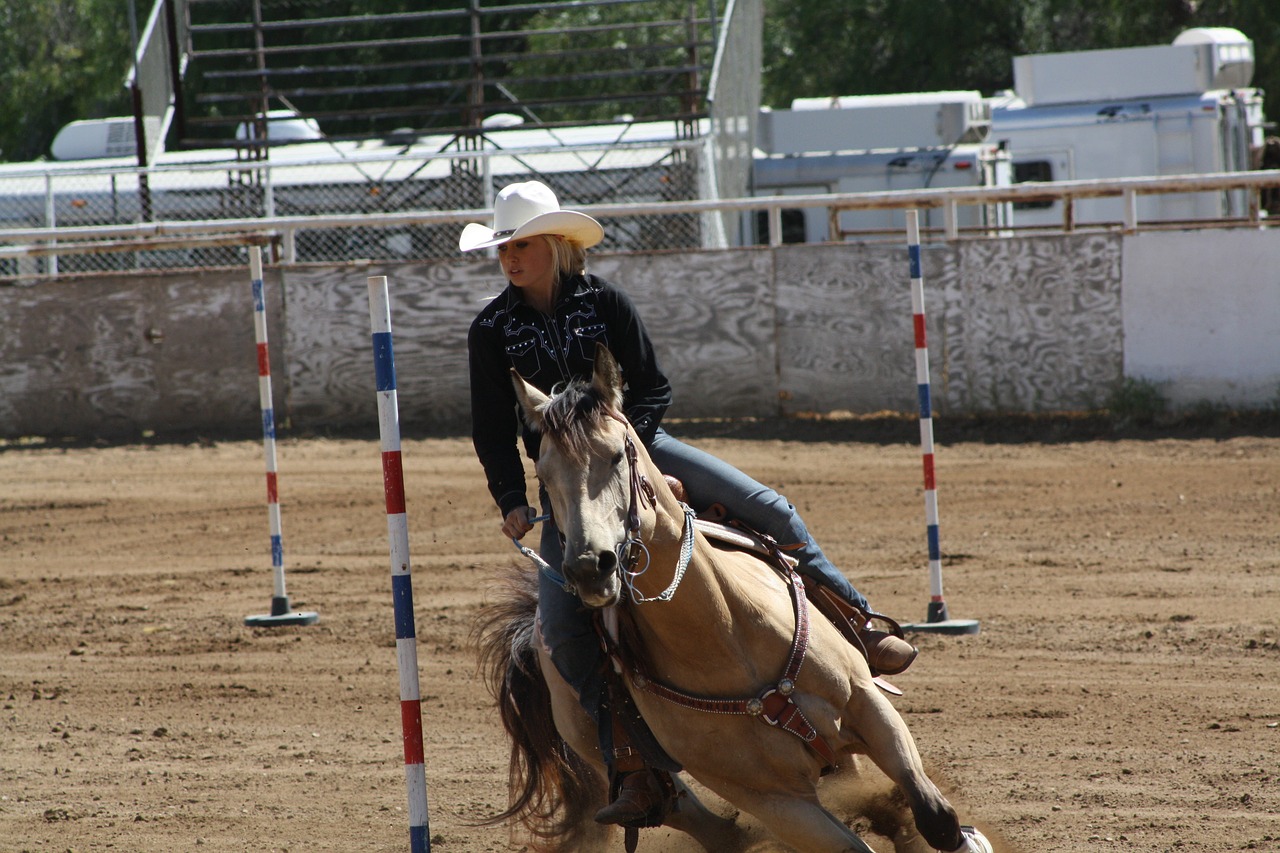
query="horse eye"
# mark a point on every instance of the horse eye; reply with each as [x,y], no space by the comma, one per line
[617,459]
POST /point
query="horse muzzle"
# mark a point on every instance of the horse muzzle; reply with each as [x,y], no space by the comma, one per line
[594,575]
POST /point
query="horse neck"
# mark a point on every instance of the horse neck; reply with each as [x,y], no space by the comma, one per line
[702,587]
[726,619]
[709,631]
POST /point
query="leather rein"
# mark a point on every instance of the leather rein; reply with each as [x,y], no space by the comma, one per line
[775,705]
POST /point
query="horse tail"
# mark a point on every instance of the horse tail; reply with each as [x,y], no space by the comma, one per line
[551,789]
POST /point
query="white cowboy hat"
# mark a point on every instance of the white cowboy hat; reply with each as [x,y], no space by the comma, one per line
[523,210]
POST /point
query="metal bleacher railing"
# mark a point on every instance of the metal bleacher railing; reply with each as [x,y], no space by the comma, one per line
[427,228]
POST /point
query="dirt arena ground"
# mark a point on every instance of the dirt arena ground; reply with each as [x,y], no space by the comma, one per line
[1123,694]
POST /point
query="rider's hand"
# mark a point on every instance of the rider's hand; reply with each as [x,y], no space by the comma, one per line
[516,524]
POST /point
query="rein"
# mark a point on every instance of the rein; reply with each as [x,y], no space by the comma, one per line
[543,565]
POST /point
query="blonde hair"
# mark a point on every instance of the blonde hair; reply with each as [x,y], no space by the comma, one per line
[568,256]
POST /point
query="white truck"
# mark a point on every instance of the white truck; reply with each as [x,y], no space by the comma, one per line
[1180,109]
[875,143]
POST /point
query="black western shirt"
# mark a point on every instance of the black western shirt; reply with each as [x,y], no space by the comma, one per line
[548,349]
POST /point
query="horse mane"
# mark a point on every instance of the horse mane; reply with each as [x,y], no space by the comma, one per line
[575,411]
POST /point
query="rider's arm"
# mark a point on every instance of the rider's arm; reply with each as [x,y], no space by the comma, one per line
[494,421]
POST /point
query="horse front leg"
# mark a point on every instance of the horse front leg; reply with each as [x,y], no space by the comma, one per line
[795,817]
[890,745]
[578,730]
[716,834]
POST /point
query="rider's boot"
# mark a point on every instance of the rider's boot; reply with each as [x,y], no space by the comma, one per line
[639,795]
[639,798]
[887,652]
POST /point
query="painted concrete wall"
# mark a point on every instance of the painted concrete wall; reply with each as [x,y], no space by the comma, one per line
[1021,324]
[1202,317]
[116,355]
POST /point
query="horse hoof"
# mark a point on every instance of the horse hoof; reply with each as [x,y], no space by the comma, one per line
[974,842]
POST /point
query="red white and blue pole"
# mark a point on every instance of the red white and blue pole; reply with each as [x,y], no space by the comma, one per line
[937,618]
[401,577]
[281,613]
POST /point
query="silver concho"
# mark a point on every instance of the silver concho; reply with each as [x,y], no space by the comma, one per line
[786,687]
[755,707]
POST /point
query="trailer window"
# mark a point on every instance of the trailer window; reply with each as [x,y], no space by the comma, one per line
[792,225]
[1032,170]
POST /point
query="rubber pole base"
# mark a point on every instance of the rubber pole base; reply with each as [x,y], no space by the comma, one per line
[938,621]
[281,614]
[293,617]
[947,626]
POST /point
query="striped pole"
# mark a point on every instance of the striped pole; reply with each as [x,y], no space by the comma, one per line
[937,618]
[281,613]
[384,365]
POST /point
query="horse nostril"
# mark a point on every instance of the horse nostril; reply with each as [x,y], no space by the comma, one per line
[607,561]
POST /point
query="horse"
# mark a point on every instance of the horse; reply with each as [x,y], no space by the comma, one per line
[703,622]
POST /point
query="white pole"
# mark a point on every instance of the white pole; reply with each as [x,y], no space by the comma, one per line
[938,618]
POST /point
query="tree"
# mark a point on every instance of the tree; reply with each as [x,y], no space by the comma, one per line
[865,47]
[60,60]
[861,47]
[591,63]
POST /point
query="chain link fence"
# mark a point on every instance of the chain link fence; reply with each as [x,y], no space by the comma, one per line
[349,179]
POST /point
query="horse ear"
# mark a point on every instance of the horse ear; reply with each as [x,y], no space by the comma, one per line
[607,378]
[532,401]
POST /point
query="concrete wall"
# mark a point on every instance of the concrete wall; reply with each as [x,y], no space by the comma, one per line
[1021,324]
[1202,318]
[113,356]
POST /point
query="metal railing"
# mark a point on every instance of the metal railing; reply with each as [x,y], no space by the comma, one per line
[363,186]
[386,67]
[287,233]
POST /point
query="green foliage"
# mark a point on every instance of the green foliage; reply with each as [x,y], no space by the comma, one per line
[861,47]
[604,51]
[60,60]
[866,47]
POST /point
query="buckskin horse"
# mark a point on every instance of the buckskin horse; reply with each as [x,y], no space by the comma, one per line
[752,697]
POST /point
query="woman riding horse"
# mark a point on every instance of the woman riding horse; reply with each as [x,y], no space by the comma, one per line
[545,326]
[710,645]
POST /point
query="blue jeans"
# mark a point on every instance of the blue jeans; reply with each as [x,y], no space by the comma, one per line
[566,622]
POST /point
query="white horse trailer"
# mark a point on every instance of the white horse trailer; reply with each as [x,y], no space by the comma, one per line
[966,165]
[876,143]
[1180,109]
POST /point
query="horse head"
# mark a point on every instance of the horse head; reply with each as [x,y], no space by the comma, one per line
[583,464]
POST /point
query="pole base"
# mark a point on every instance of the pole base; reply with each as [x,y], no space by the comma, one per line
[938,621]
[947,626]
[281,614]
[293,617]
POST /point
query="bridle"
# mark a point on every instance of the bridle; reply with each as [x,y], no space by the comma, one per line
[775,705]
[631,549]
